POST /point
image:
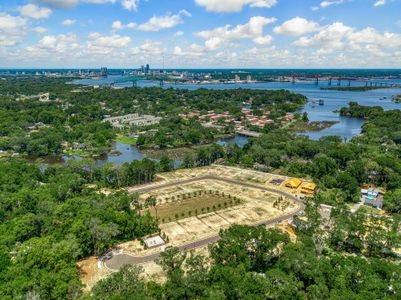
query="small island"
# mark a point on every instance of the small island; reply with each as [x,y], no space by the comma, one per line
[397,98]
[355,110]
[305,126]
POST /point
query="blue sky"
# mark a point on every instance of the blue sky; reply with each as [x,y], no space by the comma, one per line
[200,33]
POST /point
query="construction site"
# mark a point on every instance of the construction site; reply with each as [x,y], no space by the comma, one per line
[193,205]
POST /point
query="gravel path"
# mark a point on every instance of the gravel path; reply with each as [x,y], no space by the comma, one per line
[120,260]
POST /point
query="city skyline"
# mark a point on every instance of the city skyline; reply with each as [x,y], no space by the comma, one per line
[200,34]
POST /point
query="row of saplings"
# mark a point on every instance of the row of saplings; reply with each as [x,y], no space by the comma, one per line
[231,201]
[281,203]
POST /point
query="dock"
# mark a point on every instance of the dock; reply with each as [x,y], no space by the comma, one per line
[249,133]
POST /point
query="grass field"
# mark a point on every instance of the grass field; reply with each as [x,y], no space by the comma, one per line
[77,152]
[126,140]
[302,126]
[196,205]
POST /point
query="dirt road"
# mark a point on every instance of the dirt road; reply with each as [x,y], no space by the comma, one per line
[119,260]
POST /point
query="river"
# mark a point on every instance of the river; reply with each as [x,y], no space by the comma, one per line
[333,100]
[126,153]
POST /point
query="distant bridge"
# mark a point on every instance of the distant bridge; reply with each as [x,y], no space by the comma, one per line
[134,80]
[339,81]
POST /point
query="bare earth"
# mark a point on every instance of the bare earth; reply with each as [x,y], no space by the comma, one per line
[258,205]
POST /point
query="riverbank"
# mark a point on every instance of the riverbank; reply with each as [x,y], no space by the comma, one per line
[173,153]
[127,140]
[181,152]
[397,99]
[315,126]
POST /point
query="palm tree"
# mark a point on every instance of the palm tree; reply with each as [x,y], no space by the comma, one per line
[135,203]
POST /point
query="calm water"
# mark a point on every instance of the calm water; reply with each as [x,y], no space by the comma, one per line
[334,100]
[127,153]
[238,139]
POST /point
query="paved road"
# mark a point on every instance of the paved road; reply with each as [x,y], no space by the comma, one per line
[119,260]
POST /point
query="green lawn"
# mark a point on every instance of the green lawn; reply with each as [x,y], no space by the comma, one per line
[126,140]
[369,210]
[77,153]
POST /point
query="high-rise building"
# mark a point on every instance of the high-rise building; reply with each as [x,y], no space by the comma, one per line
[142,69]
[147,69]
[103,71]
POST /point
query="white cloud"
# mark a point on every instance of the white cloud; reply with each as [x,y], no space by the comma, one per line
[370,36]
[117,25]
[215,38]
[100,45]
[330,3]
[178,33]
[379,3]
[328,36]
[131,5]
[214,43]
[194,50]
[153,47]
[12,29]
[234,5]
[149,50]
[296,26]
[34,11]
[54,45]
[157,23]
[68,22]
[59,43]
[40,29]
[263,40]
[98,41]
[345,38]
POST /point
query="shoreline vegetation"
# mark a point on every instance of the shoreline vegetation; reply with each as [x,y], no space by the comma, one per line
[174,153]
[355,110]
[314,126]
[127,140]
[355,88]
[51,118]
[53,218]
[397,98]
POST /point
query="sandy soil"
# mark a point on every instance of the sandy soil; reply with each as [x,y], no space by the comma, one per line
[256,206]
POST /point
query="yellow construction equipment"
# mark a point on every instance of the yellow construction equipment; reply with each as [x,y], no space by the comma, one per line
[293,183]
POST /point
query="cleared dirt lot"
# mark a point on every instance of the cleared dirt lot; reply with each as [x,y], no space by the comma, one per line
[188,205]
[256,205]
[261,203]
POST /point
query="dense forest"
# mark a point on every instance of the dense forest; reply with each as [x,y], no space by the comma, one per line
[50,217]
[71,121]
[246,264]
